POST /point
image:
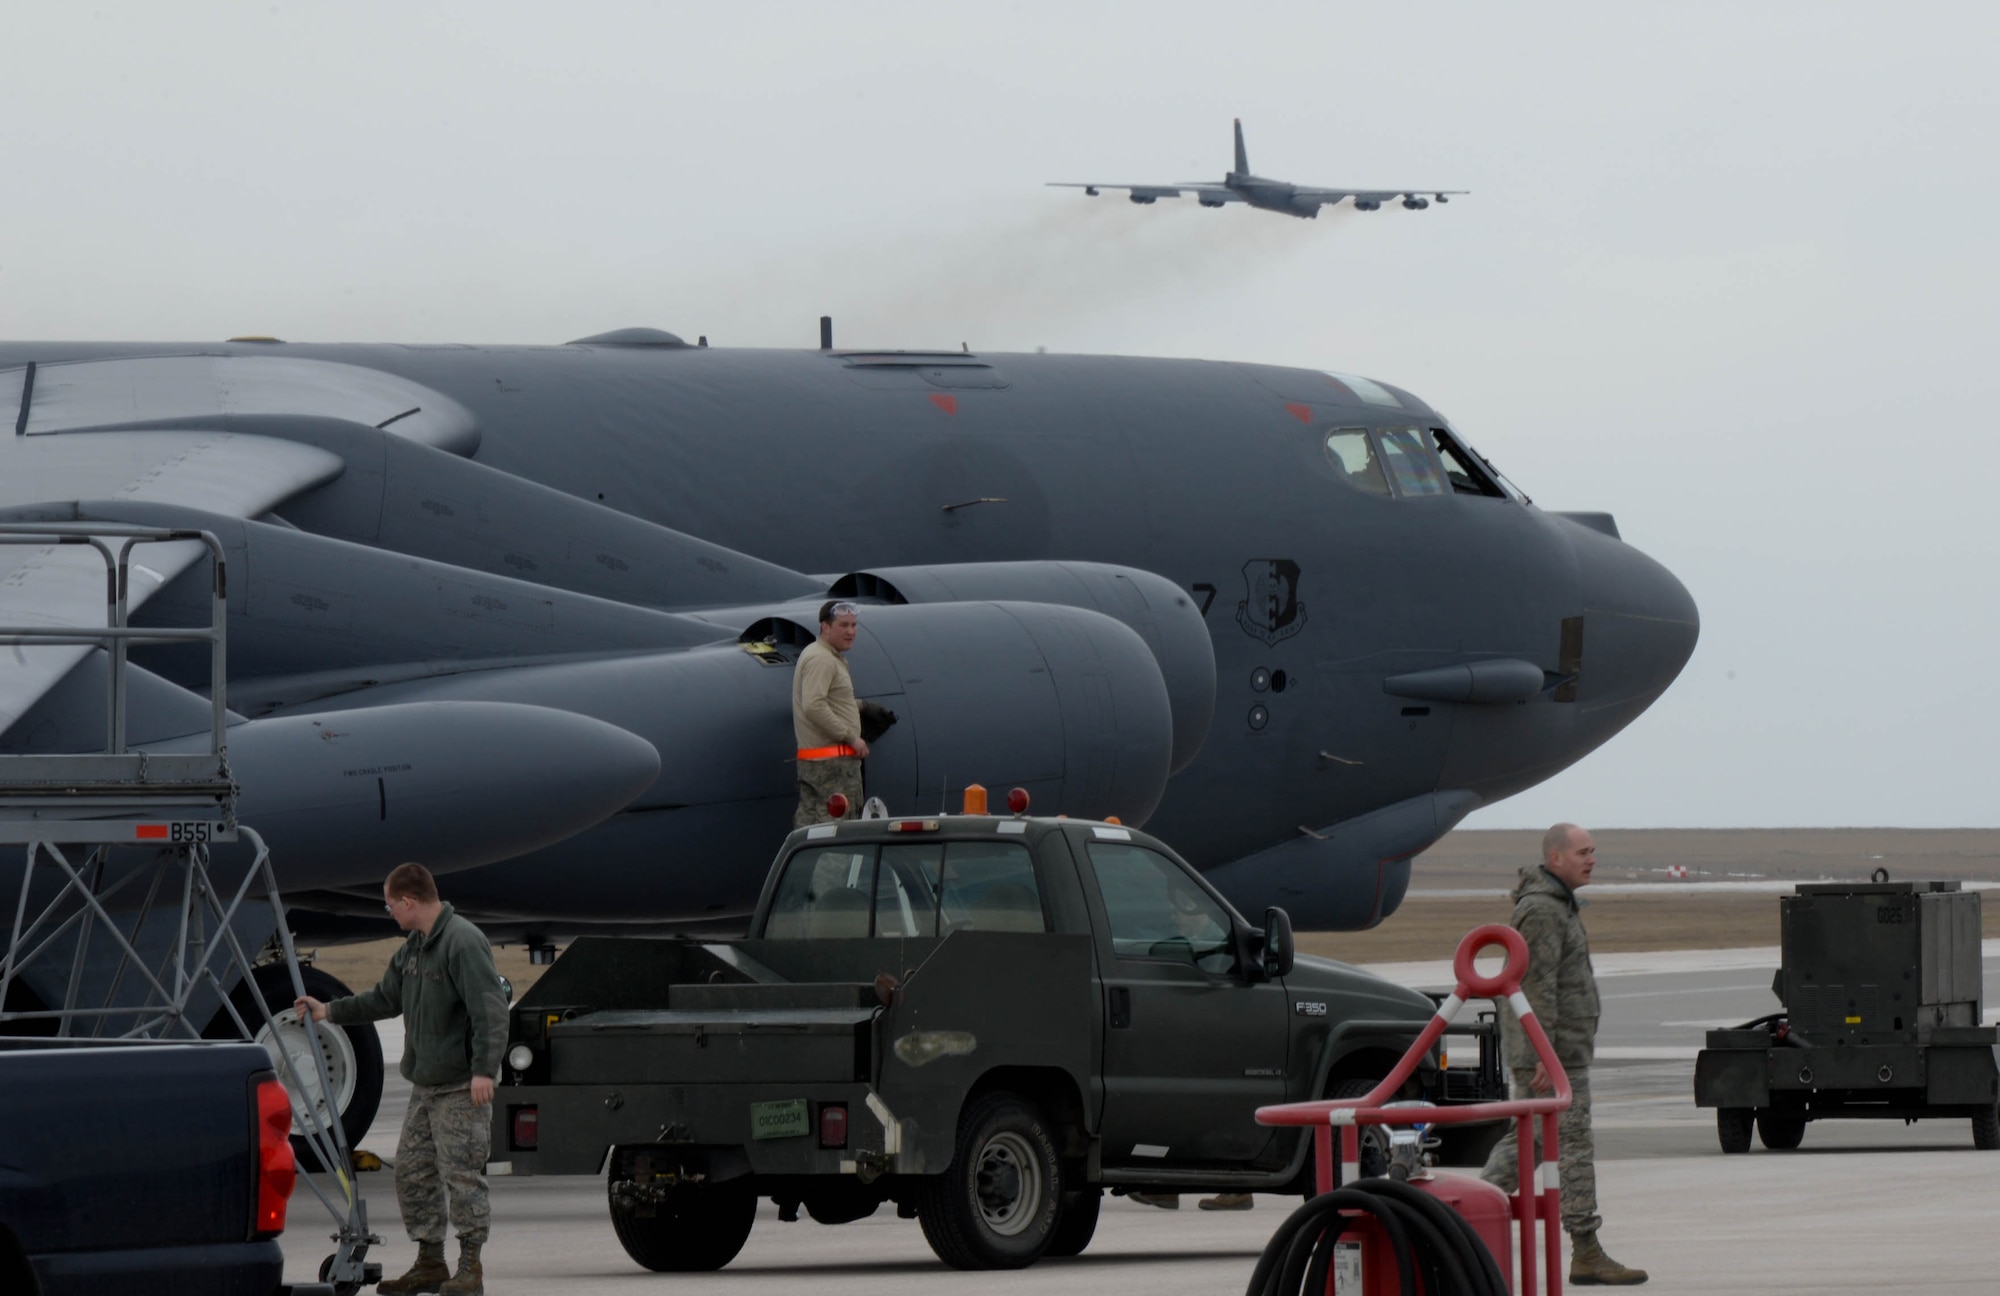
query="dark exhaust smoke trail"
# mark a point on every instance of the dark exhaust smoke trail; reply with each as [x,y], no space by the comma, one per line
[1007,281]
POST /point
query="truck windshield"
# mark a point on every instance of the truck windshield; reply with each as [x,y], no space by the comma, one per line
[913,889]
[1156,911]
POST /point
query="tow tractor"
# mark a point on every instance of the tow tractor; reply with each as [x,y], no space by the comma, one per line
[985,1020]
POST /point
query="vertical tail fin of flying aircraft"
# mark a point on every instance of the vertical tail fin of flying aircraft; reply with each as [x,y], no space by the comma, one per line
[1242,158]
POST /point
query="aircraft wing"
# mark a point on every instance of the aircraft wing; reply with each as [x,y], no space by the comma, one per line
[1327,197]
[1210,194]
[43,477]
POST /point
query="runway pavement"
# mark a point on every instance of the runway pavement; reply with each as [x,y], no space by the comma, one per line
[1861,1207]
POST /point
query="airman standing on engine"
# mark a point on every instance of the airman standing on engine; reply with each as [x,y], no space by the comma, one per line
[826,719]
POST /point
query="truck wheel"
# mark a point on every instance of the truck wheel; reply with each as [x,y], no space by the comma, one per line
[1374,1138]
[1779,1132]
[1732,1128]
[1986,1130]
[694,1230]
[996,1207]
[1077,1223]
[353,1054]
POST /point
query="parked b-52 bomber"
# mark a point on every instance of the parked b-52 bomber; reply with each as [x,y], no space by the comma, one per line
[529,614]
[1239,185]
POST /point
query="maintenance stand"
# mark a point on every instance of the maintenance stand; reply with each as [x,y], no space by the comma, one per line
[122,904]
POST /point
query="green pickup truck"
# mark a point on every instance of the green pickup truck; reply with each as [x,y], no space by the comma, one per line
[986,1020]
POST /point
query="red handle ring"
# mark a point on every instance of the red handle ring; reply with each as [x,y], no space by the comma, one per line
[1471,985]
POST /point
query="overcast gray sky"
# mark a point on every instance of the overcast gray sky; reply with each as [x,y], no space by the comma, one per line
[1726,271]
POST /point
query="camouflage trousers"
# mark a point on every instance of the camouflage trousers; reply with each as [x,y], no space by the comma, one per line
[820,779]
[1576,1155]
[442,1156]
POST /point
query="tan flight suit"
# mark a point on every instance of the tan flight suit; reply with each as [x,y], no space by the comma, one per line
[825,715]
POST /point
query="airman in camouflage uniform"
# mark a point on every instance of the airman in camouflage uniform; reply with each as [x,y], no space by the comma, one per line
[1561,987]
[443,983]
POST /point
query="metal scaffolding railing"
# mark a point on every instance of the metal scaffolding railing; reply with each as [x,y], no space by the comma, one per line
[120,904]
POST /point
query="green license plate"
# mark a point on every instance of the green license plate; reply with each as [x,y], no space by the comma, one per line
[769,1120]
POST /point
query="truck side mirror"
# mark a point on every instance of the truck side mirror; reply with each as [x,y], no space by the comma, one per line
[1279,950]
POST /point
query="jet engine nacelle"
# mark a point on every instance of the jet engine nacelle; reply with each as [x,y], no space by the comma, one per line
[1155,608]
[1065,702]
[1416,204]
[1367,204]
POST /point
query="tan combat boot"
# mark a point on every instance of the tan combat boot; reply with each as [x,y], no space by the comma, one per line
[428,1274]
[1228,1201]
[1590,1267]
[470,1280]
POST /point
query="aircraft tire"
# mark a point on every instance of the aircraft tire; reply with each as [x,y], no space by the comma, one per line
[1077,1223]
[998,1204]
[695,1230]
[353,1054]
[1779,1132]
[1732,1128]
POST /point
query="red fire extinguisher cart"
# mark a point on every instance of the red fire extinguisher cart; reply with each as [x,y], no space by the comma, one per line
[1536,1201]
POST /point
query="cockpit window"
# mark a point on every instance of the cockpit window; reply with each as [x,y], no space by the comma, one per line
[1470,472]
[1463,469]
[1355,460]
[1410,462]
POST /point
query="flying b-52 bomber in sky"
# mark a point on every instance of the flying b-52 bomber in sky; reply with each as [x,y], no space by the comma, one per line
[1239,185]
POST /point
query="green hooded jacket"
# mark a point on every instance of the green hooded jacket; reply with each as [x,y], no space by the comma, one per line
[1559,983]
[447,991]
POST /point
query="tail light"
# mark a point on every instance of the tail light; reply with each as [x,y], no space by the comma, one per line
[277,1171]
[833,1125]
[526,1132]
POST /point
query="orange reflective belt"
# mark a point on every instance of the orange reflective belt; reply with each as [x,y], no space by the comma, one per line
[825,753]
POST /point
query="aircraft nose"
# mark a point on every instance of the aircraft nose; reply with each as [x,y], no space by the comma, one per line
[1638,628]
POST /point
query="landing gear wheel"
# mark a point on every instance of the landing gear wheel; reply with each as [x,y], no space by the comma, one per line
[1986,1130]
[997,1206]
[1374,1138]
[1732,1128]
[1779,1132]
[353,1054]
[696,1229]
[1077,1223]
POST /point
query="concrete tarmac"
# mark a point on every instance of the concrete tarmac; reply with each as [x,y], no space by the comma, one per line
[1862,1207]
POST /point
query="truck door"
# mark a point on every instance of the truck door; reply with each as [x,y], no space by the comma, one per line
[1192,1046]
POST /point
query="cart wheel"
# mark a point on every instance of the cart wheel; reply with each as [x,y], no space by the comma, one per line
[1732,1128]
[339,1288]
[996,1206]
[1077,1223]
[1779,1132]
[697,1228]
[1986,1130]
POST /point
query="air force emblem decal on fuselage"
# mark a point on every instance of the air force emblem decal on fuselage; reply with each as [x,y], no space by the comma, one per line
[1272,611]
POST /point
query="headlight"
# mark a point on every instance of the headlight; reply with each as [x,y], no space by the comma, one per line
[520,1057]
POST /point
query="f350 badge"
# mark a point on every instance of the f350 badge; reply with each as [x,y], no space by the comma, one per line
[1308,1008]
